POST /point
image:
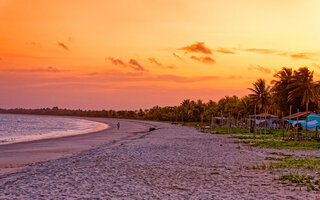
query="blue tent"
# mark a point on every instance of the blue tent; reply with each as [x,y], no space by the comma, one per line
[312,122]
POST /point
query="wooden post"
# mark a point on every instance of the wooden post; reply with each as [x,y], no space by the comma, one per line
[201,119]
[290,112]
[282,126]
[265,124]
[297,123]
[249,124]
[229,123]
[255,117]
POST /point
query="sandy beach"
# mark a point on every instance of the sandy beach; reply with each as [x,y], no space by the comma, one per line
[172,162]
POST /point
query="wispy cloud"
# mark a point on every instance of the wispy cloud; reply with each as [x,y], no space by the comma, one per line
[306,56]
[116,61]
[153,60]
[198,47]
[263,51]
[64,46]
[171,66]
[297,55]
[184,79]
[48,69]
[260,68]
[177,56]
[206,59]
[224,50]
[134,64]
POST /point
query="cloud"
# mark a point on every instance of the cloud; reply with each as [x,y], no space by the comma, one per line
[224,50]
[304,55]
[153,60]
[301,56]
[136,66]
[171,66]
[260,68]
[206,59]
[197,47]
[184,79]
[133,64]
[177,56]
[195,58]
[116,61]
[263,51]
[65,47]
[51,69]
[48,69]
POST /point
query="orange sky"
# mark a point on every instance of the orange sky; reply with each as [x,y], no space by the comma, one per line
[130,54]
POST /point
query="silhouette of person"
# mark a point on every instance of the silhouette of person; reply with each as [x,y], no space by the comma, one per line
[118,125]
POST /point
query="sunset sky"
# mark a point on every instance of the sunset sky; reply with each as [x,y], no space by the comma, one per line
[130,54]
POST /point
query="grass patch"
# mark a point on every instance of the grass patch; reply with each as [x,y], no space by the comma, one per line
[268,133]
[302,180]
[231,131]
[245,137]
[310,163]
[296,178]
[278,144]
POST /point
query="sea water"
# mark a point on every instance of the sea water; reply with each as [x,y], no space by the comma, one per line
[19,128]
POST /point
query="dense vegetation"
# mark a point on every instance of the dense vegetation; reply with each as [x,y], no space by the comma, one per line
[289,87]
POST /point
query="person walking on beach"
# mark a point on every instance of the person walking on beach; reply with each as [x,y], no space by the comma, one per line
[118,125]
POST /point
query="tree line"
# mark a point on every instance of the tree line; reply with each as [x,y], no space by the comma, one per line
[290,88]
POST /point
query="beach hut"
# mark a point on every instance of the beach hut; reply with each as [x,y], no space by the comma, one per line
[298,115]
[264,119]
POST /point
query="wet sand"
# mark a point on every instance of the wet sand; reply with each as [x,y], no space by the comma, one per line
[172,162]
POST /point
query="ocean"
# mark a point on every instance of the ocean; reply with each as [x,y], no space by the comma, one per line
[19,128]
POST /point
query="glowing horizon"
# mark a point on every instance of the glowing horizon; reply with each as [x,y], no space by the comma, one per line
[138,54]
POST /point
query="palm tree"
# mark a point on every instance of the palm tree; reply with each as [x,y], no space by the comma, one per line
[284,77]
[245,106]
[187,108]
[303,87]
[280,89]
[261,94]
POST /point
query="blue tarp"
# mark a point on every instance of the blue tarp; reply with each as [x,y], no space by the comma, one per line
[312,122]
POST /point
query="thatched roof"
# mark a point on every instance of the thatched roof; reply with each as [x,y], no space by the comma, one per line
[264,115]
[299,115]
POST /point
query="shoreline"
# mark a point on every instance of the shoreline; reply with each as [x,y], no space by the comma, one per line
[57,134]
[15,156]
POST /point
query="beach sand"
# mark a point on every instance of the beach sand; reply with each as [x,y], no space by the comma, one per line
[172,162]
[17,155]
